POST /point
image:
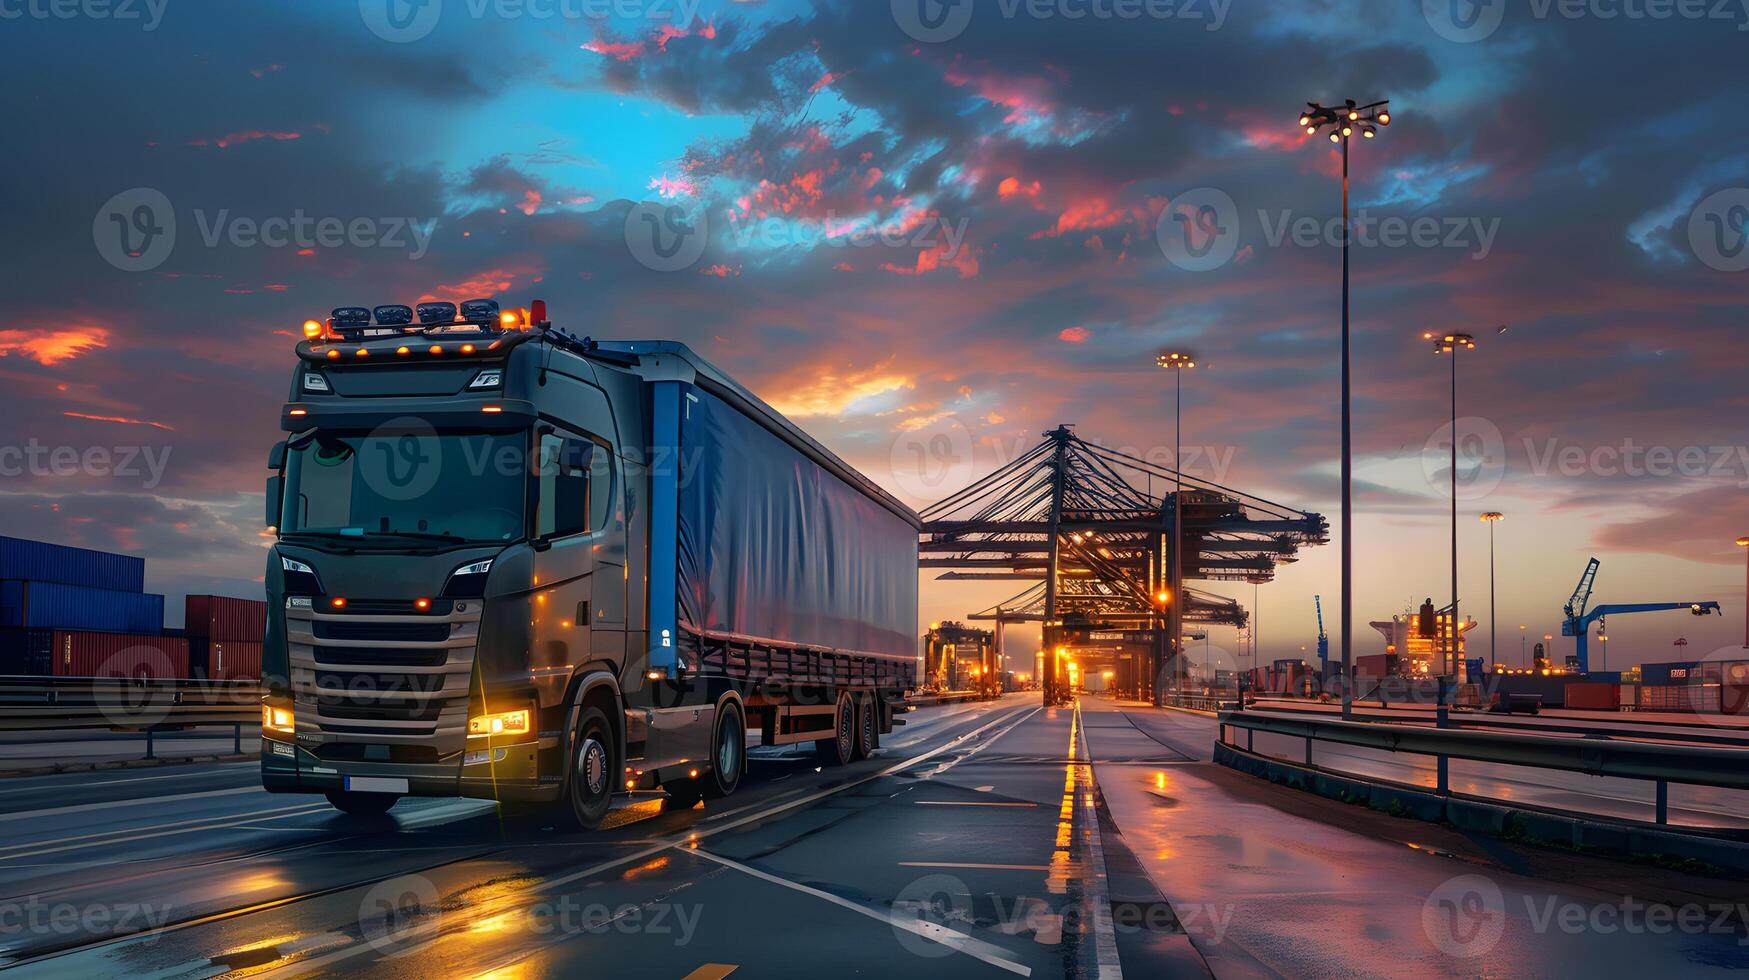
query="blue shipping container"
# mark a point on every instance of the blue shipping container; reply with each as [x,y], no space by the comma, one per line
[60,606]
[39,561]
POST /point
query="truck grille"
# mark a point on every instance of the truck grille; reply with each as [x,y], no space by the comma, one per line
[375,674]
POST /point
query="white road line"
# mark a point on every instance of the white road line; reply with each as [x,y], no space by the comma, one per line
[303,967]
[959,941]
[978,867]
[113,804]
[967,803]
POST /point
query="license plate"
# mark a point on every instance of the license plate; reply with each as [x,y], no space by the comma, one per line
[375,784]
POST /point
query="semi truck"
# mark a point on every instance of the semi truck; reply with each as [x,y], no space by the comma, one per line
[516,564]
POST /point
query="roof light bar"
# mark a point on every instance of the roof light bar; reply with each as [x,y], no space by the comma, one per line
[351,317]
[480,311]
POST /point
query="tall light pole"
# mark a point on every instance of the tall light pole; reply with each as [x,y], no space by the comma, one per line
[1522,650]
[1177,362]
[1492,517]
[1451,343]
[1343,120]
[1743,542]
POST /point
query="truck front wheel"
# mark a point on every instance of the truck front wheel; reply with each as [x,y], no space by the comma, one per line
[840,749]
[589,776]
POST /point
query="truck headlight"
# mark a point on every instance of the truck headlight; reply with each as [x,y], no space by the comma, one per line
[501,723]
[277,720]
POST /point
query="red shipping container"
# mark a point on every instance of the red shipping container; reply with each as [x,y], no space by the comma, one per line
[1593,697]
[234,660]
[83,654]
[223,617]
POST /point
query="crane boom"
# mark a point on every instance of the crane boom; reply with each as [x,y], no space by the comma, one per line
[1323,637]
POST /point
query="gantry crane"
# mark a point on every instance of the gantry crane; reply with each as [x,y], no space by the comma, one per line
[1578,619]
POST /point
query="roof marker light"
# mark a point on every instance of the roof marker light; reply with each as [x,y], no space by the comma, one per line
[333,352]
[436,349]
[313,329]
[403,350]
[467,348]
[361,352]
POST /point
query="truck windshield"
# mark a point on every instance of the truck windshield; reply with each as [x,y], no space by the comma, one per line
[452,487]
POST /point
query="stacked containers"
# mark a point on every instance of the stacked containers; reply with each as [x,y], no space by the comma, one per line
[77,612]
[225,635]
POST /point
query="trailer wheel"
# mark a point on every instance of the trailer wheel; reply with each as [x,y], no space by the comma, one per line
[867,727]
[728,752]
[840,749]
[362,804]
[589,776]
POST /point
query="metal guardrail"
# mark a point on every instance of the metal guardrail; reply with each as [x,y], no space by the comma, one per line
[1604,726]
[1201,702]
[61,703]
[1660,764]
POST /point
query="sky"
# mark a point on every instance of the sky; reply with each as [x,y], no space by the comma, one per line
[928,231]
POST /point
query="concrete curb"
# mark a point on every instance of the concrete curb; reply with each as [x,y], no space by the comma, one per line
[1516,823]
[58,768]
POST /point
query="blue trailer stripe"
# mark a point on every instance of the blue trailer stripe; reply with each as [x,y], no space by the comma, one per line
[667,397]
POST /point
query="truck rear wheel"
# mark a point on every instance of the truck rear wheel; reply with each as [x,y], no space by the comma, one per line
[868,728]
[362,804]
[840,749]
[589,776]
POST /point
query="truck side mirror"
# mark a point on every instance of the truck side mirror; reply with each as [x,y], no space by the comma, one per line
[275,498]
[276,456]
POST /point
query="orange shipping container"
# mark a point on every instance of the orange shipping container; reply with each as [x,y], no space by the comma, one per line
[230,660]
[86,654]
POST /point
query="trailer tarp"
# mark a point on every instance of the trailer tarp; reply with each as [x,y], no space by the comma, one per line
[773,546]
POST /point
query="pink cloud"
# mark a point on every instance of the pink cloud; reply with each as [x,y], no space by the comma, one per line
[1074,335]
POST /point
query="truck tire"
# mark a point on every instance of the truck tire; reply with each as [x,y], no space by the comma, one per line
[868,727]
[728,762]
[728,752]
[840,749]
[362,804]
[589,774]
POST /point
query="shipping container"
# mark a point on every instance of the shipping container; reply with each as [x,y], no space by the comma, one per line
[223,617]
[1668,673]
[233,660]
[81,653]
[1592,696]
[26,652]
[1376,665]
[59,606]
[39,561]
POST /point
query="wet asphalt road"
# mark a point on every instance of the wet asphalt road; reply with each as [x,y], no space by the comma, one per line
[998,839]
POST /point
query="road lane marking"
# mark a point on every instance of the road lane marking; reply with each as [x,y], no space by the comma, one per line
[1097,901]
[967,803]
[975,867]
[681,842]
[160,830]
[987,952]
[710,971]
[65,783]
[112,804]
